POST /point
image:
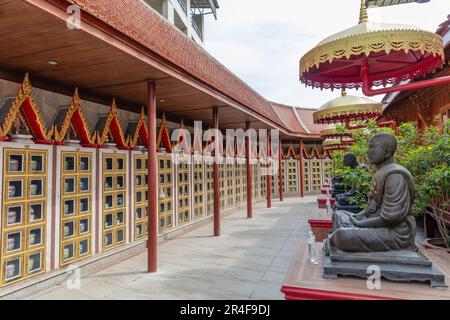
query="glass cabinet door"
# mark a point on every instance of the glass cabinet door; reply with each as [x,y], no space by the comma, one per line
[114,196]
[76,208]
[24,214]
[165,192]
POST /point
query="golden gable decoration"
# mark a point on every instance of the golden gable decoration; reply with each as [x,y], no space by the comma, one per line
[112,128]
[25,109]
[75,121]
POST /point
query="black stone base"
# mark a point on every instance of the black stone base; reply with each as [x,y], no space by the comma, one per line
[401,266]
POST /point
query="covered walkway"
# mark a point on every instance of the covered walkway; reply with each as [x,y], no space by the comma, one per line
[248,261]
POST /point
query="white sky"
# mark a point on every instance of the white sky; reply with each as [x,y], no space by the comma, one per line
[261,41]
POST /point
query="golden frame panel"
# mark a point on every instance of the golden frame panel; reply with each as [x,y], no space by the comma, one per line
[140,175]
[114,166]
[198,176]
[81,217]
[166,192]
[26,242]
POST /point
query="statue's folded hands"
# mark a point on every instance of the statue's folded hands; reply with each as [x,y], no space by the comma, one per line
[377,222]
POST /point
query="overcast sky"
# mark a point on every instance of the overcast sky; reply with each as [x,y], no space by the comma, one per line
[261,41]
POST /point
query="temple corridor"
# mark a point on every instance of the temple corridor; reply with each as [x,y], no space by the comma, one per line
[248,261]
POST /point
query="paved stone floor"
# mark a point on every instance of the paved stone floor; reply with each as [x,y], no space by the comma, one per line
[248,261]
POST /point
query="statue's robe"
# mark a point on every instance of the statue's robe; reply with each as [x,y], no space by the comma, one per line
[390,198]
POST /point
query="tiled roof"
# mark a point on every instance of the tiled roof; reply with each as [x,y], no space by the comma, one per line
[444,27]
[60,116]
[289,118]
[101,123]
[306,116]
[131,128]
[144,25]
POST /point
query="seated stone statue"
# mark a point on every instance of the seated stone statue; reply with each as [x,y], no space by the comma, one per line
[350,161]
[337,186]
[385,224]
[342,195]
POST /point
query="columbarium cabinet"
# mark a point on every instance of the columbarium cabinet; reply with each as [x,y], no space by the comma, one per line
[198,176]
[316,175]
[243,169]
[291,178]
[165,191]
[307,175]
[230,183]
[209,174]
[183,188]
[222,184]
[263,187]
[327,164]
[255,181]
[114,198]
[76,206]
[25,222]
[239,189]
[139,205]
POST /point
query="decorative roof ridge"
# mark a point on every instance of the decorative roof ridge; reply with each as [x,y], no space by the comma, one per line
[300,121]
[26,94]
[272,106]
[75,105]
[112,115]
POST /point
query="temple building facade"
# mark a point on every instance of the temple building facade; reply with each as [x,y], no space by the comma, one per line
[431,105]
[187,15]
[79,111]
[75,178]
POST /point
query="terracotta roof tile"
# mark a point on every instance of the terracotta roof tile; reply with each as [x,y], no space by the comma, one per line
[144,25]
[306,116]
[289,118]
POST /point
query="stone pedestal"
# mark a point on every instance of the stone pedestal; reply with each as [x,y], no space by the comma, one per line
[305,281]
[401,266]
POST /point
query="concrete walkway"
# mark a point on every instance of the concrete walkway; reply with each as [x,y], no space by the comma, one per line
[249,261]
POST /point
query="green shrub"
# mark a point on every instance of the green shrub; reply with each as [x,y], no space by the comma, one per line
[425,155]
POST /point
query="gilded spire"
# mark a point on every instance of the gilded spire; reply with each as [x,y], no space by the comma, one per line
[363,17]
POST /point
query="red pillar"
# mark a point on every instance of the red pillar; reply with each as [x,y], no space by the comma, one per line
[216,175]
[269,176]
[152,179]
[249,174]
[302,171]
[280,171]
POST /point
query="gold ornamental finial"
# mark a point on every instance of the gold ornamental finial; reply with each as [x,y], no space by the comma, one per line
[343,92]
[26,85]
[114,106]
[76,97]
[363,17]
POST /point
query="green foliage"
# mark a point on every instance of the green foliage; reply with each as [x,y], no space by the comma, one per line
[362,138]
[425,155]
[359,179]
[432,188]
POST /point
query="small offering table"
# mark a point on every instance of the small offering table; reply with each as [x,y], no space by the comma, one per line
[304,281]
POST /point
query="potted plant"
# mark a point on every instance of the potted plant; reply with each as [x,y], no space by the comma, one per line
[426,156]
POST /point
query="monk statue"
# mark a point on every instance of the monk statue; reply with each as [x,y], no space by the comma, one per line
[349,161]
[343,199]
[386,223]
